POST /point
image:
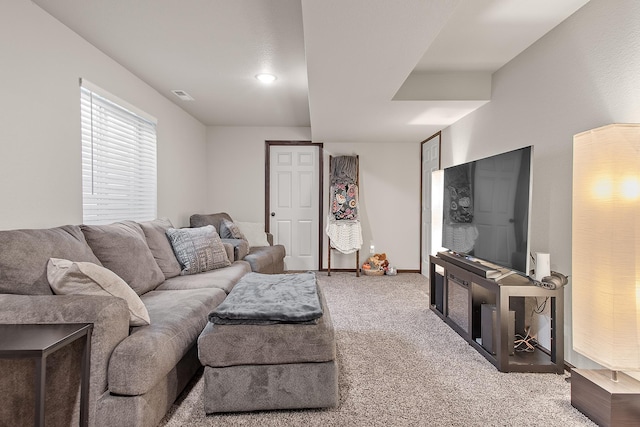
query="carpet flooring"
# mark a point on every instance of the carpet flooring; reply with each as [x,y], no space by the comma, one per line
[400,365]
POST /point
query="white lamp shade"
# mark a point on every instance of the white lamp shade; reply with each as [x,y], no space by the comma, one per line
[606,246]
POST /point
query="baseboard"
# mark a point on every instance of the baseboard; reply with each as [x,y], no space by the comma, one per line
[353,270]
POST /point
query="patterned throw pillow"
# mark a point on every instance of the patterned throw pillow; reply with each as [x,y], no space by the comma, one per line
[198,249]
[229,230]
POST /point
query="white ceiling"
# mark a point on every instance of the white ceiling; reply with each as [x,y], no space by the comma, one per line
[353,70]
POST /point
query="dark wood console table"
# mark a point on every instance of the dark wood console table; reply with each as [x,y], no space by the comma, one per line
[37,342]
[457,295]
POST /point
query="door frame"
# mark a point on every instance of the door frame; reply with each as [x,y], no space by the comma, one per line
[267,185]
[435,135]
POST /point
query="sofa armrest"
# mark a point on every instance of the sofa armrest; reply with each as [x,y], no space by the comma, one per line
[109,315]
[267,259]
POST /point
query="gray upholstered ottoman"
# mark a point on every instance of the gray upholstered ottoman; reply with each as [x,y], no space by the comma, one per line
[252,367]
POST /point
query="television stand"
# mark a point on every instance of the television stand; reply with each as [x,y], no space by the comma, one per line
[504,275]
[476,267]
[458,290]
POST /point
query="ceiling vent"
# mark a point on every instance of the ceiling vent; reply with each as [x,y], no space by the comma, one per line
[182,95]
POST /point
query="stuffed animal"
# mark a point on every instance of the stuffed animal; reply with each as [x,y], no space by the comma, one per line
[376,262]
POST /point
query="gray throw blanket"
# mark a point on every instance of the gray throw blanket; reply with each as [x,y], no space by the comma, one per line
[264,299]
[344,169]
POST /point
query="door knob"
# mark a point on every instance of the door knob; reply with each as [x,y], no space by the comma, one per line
[273,214]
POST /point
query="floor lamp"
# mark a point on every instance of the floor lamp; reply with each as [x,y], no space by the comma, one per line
[606,272]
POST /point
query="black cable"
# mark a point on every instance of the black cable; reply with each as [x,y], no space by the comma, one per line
[540,307]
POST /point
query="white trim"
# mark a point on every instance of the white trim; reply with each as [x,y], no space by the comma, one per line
[121,102]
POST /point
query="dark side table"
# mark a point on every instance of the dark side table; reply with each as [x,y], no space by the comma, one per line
[37,342]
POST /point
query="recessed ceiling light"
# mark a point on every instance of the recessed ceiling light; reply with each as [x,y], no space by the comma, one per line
[266,78]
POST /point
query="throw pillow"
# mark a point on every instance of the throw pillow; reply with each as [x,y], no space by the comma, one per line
[122,248]
[198,249]
[85,278]
[254,232]
[229,230]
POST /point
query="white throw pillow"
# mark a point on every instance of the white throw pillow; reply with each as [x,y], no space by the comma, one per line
[86,278]
[254,232]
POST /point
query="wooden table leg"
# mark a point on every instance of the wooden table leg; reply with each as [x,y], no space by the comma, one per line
[329,261]
[40,381]
[84,387]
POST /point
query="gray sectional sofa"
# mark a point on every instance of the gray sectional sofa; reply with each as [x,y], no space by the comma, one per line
[136,371]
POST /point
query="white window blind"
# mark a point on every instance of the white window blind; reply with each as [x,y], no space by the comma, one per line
[118,161]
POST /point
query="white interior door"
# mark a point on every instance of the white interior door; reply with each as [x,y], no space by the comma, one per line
[294,202]
[430,163]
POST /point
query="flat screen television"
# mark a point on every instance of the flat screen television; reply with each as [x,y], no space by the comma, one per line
[486,209]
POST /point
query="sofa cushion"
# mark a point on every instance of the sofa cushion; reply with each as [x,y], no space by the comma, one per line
[198,249]
[85,278]
[222,278]
[158,242]
[201,220]
[150,352]
[24,255]
[122,248]
[254,232]
[217,220]
[229,230]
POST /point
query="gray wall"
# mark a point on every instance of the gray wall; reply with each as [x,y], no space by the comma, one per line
[40,147]
[235,158]
[389,187]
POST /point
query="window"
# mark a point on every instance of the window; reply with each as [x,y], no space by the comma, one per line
[118,159]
